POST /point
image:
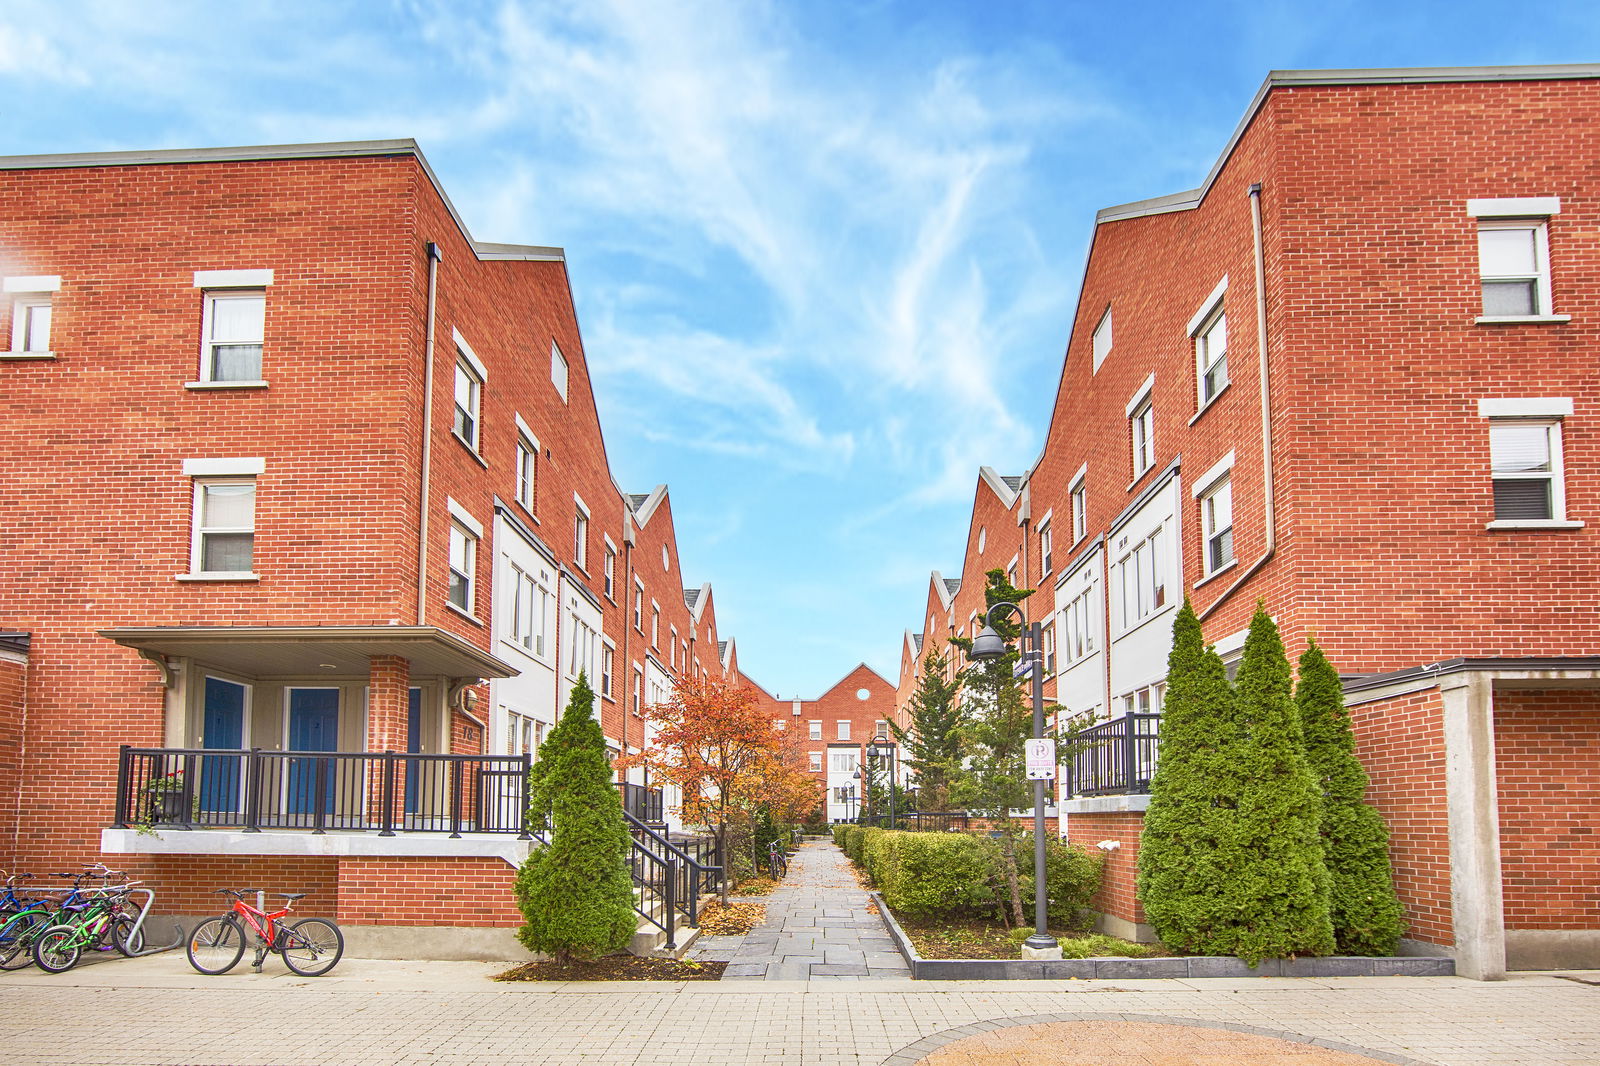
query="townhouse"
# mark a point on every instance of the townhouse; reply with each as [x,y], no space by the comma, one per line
[1351,375]
[297,465]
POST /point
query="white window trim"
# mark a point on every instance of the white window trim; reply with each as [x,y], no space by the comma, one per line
[208,296]
[460,514]
[475,545]
[1207,572]
[1078,482]
[1222,468]
[470,356]
[35,284]
[580,549]
[224,467]
[1142,399]
[232,279]
[566,366]
[525,437]
[1529,407]
[1558,463]
[20,304]
[236,475]
[1043,527]
[1099,358]
[1208,307]
[1515,207]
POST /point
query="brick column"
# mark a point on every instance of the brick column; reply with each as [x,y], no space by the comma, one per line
[388,693]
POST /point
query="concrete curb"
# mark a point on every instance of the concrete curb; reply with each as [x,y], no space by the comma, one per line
[1192,966]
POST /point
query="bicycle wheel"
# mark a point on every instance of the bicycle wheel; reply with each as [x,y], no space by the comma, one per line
[312,946]
[17,937]
[216,945]
[57,950]
[123,936]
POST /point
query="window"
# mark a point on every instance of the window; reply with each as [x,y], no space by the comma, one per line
[1078,627]
[469,393]
[816,728]
[1141,426]
[1102,339]
[530,612]
[224,526]
[638,690]
[523,734]
[558,370]
[30,323]
[233,326]
[1145,700]
[1048,636]
[1216,522]
[527,470]
[581,656]
[1525,460]
[609,572]
[816,762]
[580,535]
[1211,356]
[1142,579]
[672,648]
[880,728]
[463,559]
[655,626]
[608,658]
[844,729]
[1080,508]
[1045,561]
[638,607]
[1514,264]
[842,762]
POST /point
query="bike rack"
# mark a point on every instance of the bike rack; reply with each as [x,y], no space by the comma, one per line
[144,912]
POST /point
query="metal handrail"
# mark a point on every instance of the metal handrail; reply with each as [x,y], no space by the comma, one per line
[697,877]
[1117,757]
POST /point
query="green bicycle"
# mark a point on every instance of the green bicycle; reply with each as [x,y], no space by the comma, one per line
[106,921]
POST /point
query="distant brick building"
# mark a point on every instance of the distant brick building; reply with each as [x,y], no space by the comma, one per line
[829,735]
[295,464]
[1351,375]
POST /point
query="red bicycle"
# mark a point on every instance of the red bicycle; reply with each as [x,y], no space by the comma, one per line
[310,947]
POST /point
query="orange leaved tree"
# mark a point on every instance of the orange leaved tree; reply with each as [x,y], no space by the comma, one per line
[725,753]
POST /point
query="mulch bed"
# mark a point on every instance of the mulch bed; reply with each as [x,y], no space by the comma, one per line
[988,940]
[617,968]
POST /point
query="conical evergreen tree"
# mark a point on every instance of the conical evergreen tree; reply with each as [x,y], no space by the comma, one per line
[1274,875]
[931,741]
[1188,818]
[1367,917]
[576,893]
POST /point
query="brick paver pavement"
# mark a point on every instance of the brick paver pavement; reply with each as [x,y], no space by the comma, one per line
[818,928]
[134,1012]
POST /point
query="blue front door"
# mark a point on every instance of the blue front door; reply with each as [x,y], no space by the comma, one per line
[313,726]
[413,745]
[222,727]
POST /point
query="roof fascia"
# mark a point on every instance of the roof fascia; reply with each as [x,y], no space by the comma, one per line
[1007,495]
[644,512]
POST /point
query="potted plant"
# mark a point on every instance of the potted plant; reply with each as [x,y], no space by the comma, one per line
[164,802]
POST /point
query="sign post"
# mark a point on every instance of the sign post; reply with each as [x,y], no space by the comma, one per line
[1041,758]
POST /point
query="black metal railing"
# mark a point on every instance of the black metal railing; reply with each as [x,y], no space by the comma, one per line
[919,822]
[252,790]
[1114,758]
[643,803]
[670,876]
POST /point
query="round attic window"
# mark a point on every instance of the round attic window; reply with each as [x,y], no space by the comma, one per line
[983,535]
[862,694]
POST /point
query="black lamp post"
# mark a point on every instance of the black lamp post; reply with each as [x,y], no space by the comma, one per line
[988,646]
[881,750]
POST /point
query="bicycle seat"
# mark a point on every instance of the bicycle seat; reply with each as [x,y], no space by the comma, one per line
[292,895]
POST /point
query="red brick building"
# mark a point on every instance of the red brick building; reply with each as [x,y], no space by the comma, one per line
[1351,375]
[296,464]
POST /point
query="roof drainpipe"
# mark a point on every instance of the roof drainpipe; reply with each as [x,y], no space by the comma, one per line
[1268,507]
[427,434]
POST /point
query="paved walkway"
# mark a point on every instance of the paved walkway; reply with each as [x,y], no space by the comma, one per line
[142,1012]
[818,928]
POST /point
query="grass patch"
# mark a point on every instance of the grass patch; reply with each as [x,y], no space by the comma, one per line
[986,940]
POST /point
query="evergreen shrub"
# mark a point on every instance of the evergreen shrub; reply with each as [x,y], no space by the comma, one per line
[939,875]
[838,835]
[1072,877]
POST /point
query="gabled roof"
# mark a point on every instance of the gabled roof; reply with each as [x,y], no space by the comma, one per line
[644,506]
[1004,487]
[916,640]
[952,585]
[636,501]
[690,596]
[697,599]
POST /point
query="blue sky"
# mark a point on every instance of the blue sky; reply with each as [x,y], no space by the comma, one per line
[825,254]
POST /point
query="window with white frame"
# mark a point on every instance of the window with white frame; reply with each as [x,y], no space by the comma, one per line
[1141,431]
[1211,356]
[655,626]
[816,762]
[524,734]
[1146,700]
[1514,265]
[672,650]
[1077,626]
[1102,339]
[638,690]
[530,612]
[224,526]
[1216,523]
[558,370]
[582,652]
[1047,634]
[608,659]
[638,607]
[234,324]
[608,571]
[1080,507]
[30,323]
[844,729]
[1525,461]
[469,397]
[842,762]
[816,728]
[580,535]
[1046,561]
[1141,578]
[463,567]
[527,469]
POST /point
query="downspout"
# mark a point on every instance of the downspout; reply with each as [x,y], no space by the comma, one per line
[427,434]
[1268,510]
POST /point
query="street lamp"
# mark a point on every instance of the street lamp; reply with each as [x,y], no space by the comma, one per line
[881,749]
[988,646]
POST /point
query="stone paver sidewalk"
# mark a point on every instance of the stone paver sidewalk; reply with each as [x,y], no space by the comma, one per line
[818,928]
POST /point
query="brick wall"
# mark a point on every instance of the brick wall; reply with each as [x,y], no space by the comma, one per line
[1400,741]
[1547,767]
[470,892]
[13,681]
[1118,895]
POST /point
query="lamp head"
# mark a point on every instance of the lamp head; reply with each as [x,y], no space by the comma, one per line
[987,646]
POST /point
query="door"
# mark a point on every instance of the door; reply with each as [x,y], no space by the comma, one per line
[222,727]
[413,746]
[313,726]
